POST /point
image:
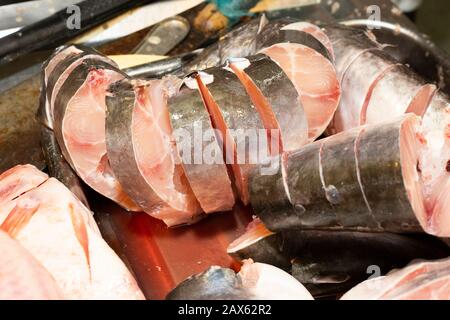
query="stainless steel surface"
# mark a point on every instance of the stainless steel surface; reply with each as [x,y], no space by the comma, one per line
[164,36]
[159,68]
[21,14]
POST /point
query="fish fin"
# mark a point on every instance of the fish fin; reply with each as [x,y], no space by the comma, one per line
[18,218]
[331,278]
[81,233]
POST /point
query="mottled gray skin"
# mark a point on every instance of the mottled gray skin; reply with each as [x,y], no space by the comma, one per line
[240,42]
[209,182]
[58,167]
[339,167]
[282,96]
[325,192]
[270,31]
[381,176]
[213,284]
[238,113]
[293,36]
[313,210]
[269,198]
[237,109]
[329,263]
[120,147]
[66,93]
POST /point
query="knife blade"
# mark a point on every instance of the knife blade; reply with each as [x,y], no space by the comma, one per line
[20,14]
[55,29]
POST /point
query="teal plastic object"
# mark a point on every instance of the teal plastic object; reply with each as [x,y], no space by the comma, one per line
[234,9]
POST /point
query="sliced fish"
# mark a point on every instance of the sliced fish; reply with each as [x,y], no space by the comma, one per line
[236,119]
[379,190]
[147,168]
[275,99]
[200,149]
[357,86]
[315,79]
[79,125]
[348,43]
[435,163]
[315,31]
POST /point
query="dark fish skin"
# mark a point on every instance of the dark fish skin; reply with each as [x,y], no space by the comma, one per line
[315,203]
[331,263]
[328,263]
[237,109]
[269,198]
[121,151]
[240,42]
[382,178]
[120,105]
[238,113]
[210,57]
[282,97]
[339,169]
[188,113]
[215,283]
[270,31]
[43,114]
[267,250]
[58,167]
[66,62]
[307,194]
[68,90]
